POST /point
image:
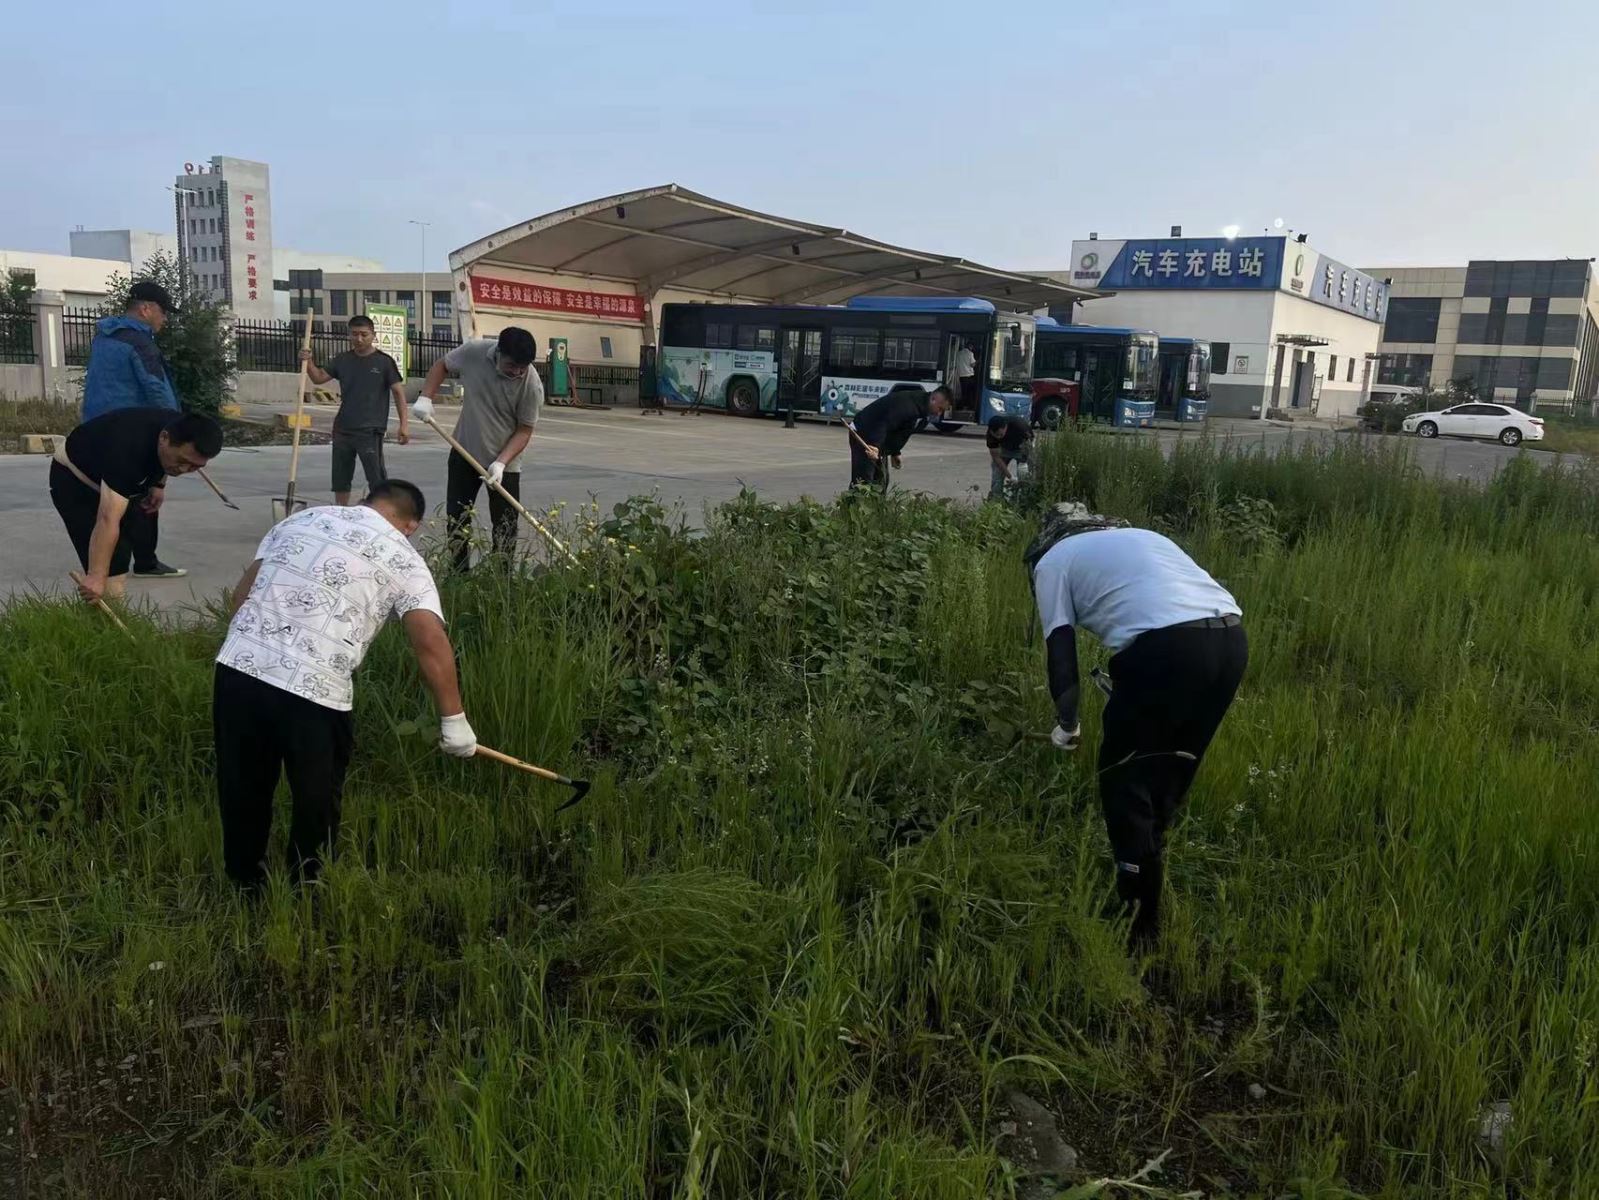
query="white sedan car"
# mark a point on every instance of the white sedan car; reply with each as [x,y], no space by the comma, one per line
[1499,421]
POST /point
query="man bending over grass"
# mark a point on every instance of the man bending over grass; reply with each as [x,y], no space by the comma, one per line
[1179,655]
[113,470]
[321,587]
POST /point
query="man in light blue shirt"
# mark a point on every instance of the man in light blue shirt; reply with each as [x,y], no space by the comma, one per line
[1179,653]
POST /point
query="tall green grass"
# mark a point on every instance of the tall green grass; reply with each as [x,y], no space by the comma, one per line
[821,908]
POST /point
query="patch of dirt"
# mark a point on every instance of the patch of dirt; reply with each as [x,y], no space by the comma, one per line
[237,432]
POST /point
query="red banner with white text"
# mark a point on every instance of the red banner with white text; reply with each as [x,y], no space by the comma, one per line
[509,293]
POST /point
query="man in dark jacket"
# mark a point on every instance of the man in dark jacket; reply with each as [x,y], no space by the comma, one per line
[881,429]
[127,370]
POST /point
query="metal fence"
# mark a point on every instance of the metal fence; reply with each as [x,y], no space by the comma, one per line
[275,346]
[77,333]
[16,338]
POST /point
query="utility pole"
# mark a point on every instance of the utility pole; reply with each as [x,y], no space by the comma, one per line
[421,312]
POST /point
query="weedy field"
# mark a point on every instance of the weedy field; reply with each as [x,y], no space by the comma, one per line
[826,927]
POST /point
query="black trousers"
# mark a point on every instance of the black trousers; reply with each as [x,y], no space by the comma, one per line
[79,506]
[349,445]
[862,470]
[1171,689]
[461,491]
[262,731]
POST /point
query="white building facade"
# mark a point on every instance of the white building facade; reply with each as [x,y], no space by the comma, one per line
[136,247]
[224,223]
[1290,328]
[81,281]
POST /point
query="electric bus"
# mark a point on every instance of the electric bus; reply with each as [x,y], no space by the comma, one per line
[1115,371]
[833,360]
[1184,379]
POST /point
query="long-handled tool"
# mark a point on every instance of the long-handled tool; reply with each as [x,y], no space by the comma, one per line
[580,787]
[210,483]
[871,452]
[287,505]
[514,502]
[77,578]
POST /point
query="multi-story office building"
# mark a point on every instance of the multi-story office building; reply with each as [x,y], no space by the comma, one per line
[1522,332]
[337,296]
[224,220]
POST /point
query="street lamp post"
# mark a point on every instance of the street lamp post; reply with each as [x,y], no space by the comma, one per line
[422,227]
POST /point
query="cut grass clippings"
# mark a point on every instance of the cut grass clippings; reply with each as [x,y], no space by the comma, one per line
[821,914]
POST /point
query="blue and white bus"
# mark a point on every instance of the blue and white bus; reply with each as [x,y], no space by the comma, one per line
[1115,371]
[1184,393]
[751,359]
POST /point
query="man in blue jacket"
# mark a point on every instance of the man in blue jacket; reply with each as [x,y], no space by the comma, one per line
[127,370]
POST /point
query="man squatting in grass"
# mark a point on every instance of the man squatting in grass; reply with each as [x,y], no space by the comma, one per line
[881,429]
[503,397]
[108,465]
[321,587]
[367,378]
[1179,653]
[1009,438]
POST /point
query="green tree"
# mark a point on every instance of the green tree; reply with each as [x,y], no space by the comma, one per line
[16,293]
[196,339]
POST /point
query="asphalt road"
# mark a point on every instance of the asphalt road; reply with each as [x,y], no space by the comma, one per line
[576,456]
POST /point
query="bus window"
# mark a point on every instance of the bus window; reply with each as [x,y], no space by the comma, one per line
[682,326]
[718,336]
[905,352]
[1010,361]
[852,348]
[757,337]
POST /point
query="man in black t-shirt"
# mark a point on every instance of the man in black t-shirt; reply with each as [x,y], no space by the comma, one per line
[881,429]
[367,379]
[1008,441]
[107,467]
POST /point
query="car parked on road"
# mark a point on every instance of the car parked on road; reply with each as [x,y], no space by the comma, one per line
[1508,425]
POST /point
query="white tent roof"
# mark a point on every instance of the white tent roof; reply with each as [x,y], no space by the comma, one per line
[671,237]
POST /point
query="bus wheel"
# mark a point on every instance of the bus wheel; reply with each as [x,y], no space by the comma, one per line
[1052,414]
[743,399]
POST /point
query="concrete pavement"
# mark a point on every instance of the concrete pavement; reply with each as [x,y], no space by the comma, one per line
[576,455]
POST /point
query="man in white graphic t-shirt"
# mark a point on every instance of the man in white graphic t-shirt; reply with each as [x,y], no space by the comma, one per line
[322,585]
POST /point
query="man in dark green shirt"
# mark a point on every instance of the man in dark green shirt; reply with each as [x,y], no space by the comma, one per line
[367,379]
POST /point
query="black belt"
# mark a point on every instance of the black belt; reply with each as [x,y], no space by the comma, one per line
[1228,621]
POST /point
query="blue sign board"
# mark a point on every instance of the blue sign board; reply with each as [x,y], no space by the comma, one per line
[1327,281]
[1190,263]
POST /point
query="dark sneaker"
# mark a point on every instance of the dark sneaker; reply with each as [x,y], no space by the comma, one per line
[159,571]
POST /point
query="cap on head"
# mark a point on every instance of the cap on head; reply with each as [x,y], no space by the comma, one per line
[148,290]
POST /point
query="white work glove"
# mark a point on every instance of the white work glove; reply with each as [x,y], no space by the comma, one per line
[1062,740]
[496,471]
[422,408]
[456,736]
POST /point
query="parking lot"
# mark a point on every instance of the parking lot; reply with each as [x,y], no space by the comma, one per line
[576,455]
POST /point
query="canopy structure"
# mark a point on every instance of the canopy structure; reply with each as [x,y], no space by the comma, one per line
[670,237]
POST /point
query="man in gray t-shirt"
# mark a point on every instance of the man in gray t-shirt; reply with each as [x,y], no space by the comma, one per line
[503,395]
[368,380]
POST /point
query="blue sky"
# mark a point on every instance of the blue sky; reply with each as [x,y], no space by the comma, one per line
[1407,132]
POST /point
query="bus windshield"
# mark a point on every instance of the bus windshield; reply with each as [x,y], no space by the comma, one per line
[1010,358]
[1143,356]
[1199,370]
